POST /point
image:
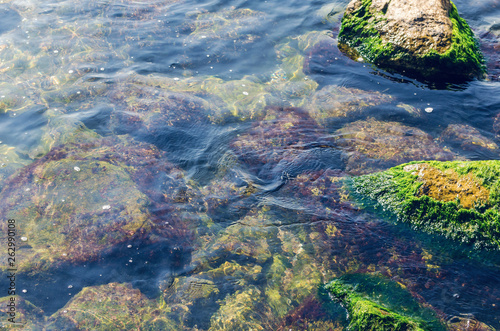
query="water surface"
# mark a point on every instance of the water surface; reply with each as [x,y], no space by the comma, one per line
[226,127]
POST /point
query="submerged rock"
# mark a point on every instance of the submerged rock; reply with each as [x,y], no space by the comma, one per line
[277,145]
[376,303]
[110,307]
[466,137]
[458,323]
[428,38]
[336,102]
[220,37]
[375,145]
[456,199]
[24,312]
[239,311]
[80,200]
[10,161]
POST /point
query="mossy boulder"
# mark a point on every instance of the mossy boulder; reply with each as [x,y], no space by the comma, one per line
[376,303]
[427,38]
[458,199]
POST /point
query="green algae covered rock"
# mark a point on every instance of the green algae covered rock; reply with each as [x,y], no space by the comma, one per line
[456,199]
[240,311]
[425,37]
[112,306]
[376,303]
[24,312]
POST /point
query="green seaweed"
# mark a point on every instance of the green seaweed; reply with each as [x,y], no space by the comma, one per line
[376,303]
[471,217]
[359,31]
[112,306]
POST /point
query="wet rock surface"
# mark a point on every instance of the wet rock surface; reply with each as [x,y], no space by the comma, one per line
[82,201]
[379,304]
[375,145]
[455,199]
[428,38]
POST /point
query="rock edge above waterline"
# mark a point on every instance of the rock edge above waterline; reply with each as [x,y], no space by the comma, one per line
[427,39]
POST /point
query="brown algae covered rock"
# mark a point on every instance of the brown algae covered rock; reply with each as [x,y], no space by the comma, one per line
[336,102]
[78,201]
[466,137]
[321,193]
[10,161]
[73,209]
[456,199]
[285,136]
[21,311]
[112,306]
[428,37]
[148,101]
[375,145]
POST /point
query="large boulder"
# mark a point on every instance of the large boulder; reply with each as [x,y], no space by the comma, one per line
[427,37]
[456,199]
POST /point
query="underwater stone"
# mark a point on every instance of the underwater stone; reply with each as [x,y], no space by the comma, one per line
[10,18]
[280,142]
[466,137]
[112,306]
[62,209]
[427,37]
[458,323]
[376,145]
[241,311]
[10,161]
[378,304]
[458,199]
[337,102]
[25,312]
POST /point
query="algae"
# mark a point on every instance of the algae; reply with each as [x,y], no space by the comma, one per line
[463,58]
[456,199]
[376,303]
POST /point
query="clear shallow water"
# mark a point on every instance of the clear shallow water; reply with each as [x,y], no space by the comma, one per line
[201,120]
